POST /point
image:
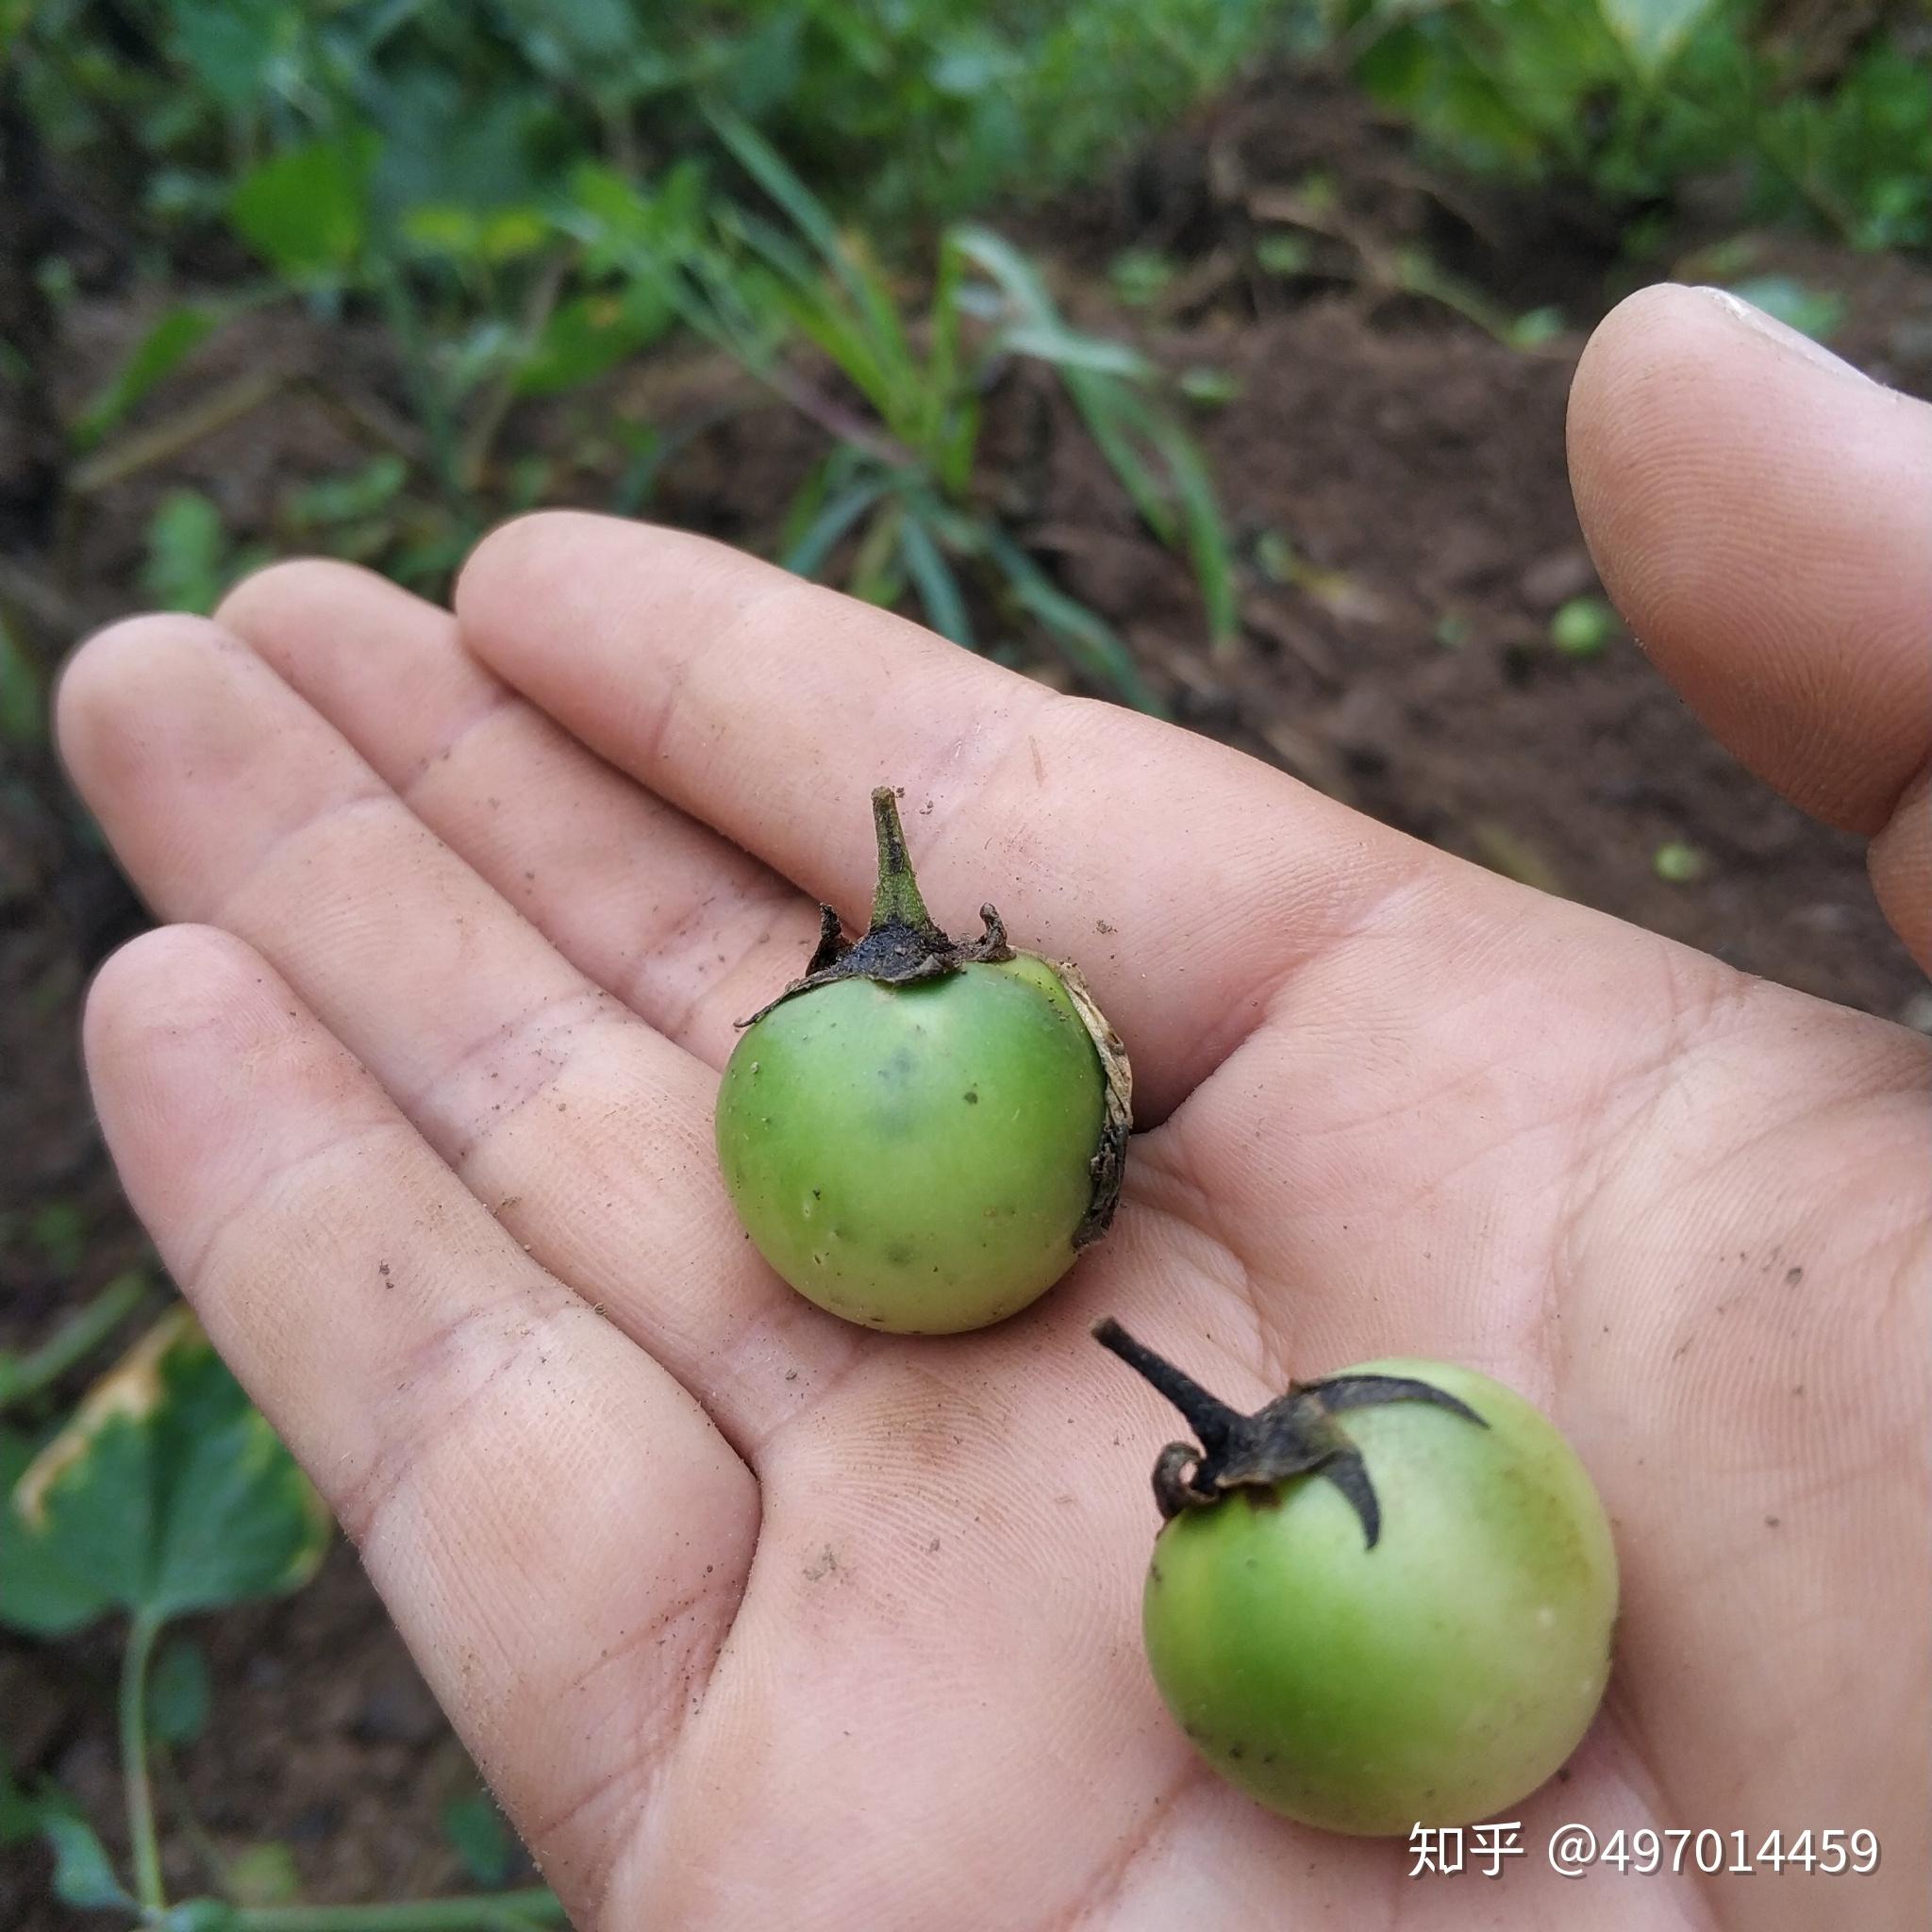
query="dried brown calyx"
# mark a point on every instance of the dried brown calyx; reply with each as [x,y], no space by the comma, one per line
[1295,1435]
[904,945]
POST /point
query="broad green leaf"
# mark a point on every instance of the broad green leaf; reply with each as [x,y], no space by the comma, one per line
[306,210]
[177,1692]
[83,1872]
[447,140]
[38,1594]
[1653,30]
[483,1844]
[231,47]
[162,349]
[168,1491]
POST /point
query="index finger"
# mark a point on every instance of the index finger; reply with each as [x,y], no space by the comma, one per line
[1186,880]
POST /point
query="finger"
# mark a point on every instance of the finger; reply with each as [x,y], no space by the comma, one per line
[1763,515]
[770,708]
[229,801]
[679,924]
[1901,862]
[477,1428]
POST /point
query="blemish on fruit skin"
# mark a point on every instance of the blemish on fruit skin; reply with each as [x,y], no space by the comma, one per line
[972,1097]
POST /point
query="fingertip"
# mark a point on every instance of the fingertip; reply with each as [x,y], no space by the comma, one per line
[108,673]
[522,557]
[262,599]
[179,999]
[1762,515]
[1647,341]
[1901,866]
[198,1054]
[181,991]
[598,620]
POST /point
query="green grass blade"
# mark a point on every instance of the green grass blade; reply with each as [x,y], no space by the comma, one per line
[767,167]
[865,286]
[807,500]
[1016,278]
[1091,643]
[1114,417]
[1069,350]
[878,574]
[179,332]
[807,557]
[933,579]
[1124,425]
[948,393]
[1208,544]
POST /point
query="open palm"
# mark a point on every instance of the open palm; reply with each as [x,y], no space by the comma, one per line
[754,1618]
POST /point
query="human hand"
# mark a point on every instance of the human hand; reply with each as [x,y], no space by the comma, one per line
[754,1617]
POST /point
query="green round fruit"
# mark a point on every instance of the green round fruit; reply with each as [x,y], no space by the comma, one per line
[920,1134]
[1430,1660]
[916,1157]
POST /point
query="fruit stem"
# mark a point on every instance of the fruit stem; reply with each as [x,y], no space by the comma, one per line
[897,901]
[1215,1425]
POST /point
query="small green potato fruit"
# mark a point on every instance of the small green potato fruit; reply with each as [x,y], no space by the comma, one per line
[1401,1621]
[920,1134]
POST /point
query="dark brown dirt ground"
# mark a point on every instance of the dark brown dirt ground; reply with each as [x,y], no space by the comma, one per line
[1415,464]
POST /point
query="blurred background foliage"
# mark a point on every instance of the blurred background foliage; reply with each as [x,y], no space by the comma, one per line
[530,193]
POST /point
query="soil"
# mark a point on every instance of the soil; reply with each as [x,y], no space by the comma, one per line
[1400,469]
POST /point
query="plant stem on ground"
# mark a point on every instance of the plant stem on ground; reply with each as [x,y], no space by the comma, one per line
[142,1633]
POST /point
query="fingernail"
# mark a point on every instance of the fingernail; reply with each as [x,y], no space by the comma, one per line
[1782,333]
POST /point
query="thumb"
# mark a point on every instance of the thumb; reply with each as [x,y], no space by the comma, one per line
[1763,513]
